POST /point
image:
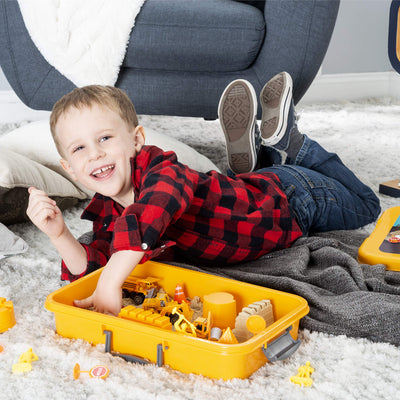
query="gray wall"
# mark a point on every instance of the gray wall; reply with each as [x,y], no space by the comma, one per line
[359,42]
[3,82]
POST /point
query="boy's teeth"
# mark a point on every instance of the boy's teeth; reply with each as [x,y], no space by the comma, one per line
[101,170]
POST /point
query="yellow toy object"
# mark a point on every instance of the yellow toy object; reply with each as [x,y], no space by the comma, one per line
[181,324]
[140,288]
[97,372]
[25,362]
[222,306]
[383,245]
[203,326]
[256,324]
[228,337]
[303,376]
[146,343]
[7,318]
[164,305]
[146,316]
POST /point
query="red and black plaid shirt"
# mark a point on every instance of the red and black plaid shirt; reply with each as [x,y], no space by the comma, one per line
[208,217]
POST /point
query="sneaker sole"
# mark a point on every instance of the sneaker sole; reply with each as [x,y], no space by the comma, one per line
[237,115]
[275,100]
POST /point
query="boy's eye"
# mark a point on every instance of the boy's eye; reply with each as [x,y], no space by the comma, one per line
[104,138]
[77,148]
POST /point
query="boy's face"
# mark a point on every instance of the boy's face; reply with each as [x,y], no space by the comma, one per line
[96,147]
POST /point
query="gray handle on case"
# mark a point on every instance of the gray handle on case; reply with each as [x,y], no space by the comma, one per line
[281,348]
[129,357]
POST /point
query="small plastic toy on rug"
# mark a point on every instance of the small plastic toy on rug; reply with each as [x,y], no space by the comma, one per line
[303,376]
[7,318]
[25,362]
[382,246]
[98,372]
[390,188]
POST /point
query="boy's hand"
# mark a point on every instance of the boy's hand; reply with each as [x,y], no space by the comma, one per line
[44,213]
[107,298]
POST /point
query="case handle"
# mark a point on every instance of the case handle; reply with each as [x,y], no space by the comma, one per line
[132,358]
[281,348]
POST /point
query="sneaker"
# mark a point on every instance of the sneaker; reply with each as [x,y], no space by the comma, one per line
[237,112]
[277,110]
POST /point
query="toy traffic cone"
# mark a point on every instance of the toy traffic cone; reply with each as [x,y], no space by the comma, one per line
[179,294]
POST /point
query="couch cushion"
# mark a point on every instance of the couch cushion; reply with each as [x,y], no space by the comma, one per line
[196,35]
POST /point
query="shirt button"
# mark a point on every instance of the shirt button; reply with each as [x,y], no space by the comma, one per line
[144,246]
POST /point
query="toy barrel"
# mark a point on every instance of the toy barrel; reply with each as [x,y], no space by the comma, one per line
[222,306]
[7,318]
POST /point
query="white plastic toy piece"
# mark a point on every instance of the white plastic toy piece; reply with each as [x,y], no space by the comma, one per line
[262,308]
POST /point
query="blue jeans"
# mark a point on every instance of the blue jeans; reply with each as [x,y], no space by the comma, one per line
[323,193]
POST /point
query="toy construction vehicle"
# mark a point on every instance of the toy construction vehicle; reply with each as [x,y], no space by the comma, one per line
[139,288]
[164,305]
[202,326]
[199,328]
[181,324]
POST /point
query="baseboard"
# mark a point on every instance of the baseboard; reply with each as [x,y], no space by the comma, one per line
[13,110]
[325,88]
[342,87]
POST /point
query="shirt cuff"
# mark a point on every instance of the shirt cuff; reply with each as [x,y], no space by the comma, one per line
[127,236]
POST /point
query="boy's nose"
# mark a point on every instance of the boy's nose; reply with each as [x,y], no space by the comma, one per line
[96,152]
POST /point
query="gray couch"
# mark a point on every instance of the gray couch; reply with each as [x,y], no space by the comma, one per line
[184,52]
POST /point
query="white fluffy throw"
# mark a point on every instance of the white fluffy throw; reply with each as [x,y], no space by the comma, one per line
[84,40]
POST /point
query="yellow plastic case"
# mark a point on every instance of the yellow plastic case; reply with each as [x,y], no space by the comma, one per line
[383,245]
[144,343]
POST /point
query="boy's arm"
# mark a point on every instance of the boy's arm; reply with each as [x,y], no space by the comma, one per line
[107,297]
[71,251]
[45,214]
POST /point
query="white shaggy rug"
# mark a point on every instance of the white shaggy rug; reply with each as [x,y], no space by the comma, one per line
[366,137]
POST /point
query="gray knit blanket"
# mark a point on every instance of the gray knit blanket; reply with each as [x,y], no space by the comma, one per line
[344,297]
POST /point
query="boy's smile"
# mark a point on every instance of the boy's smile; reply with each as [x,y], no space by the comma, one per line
[103,172]
[97,146]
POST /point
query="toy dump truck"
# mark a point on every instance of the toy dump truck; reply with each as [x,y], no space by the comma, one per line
[139,288]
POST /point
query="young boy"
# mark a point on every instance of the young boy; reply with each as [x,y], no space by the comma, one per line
[146,201]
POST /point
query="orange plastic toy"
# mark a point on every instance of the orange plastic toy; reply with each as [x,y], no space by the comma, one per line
[98,372]
[179,294]
[7,318]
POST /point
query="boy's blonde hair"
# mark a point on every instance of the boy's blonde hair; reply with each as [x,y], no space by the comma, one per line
[113,98]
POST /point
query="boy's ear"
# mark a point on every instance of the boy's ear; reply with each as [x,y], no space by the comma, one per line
[67,168]
[139,137]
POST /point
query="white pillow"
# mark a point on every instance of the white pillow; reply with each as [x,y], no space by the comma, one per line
[35,142]
[10,243]
[17,173]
